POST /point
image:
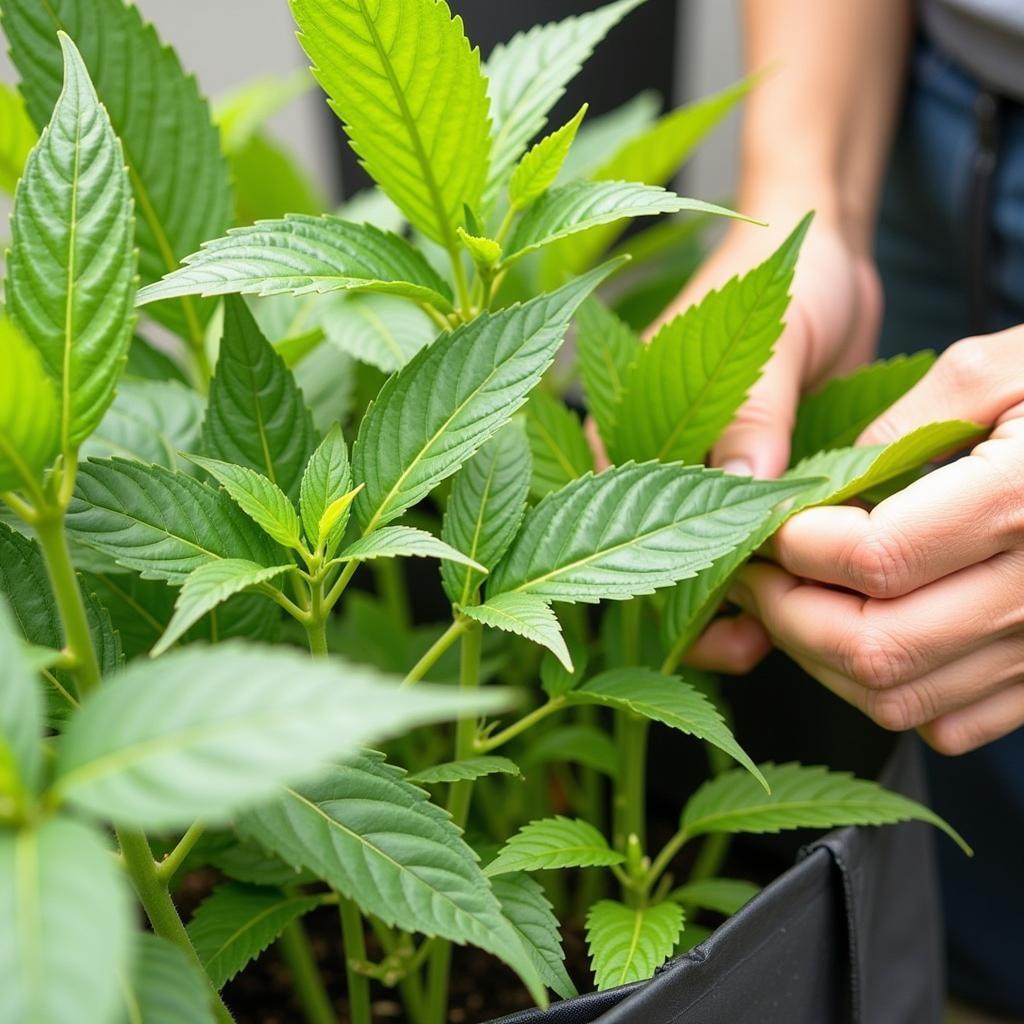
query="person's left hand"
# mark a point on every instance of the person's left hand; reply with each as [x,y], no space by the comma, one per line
[928,630]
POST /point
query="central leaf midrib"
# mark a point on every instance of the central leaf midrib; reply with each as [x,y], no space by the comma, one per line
[790,805]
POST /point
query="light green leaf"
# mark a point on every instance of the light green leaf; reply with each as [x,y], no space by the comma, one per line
[631,530]
[270,183]
[666,699]
[71,269]
[834,416]
[524,904]
[65,925]
[434,413]
[405,542]
[801,797]
[539,168]
[558,446]
[200,733]
[21,714]
[29,412]
[326,479]
[526,616]
[158,523]
[411,94]
[485,508]
[607,133]
[17,137]
[607,348]
[178,174]
[685,386]
[485,252]
[380,330]
[236,922]
[165,987]
[256,416]
[554,843]
[376,838]
[527,76]
[209,586]
[303,254]
[579,205]
[721,895]
[466,770]
[630,943]
[581,744]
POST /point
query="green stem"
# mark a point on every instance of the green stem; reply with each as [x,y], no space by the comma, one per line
[316,621]
[664,858]
[711,857]
[392,590]
[355,953]
[169,866]
[499,739]
[298,955]
[339,587]
[461,286]
[437,648]
[631,738]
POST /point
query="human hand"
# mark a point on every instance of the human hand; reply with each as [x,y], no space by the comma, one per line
[928,631]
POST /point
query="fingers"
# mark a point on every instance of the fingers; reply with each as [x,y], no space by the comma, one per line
[984,722]
[730,645]
[596,442]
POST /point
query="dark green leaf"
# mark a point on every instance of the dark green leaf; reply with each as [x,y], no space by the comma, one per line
[465,771]
[21,714]
[607,347]
[554,843]
[166,987]
[558,446]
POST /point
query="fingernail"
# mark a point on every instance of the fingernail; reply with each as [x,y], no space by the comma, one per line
[738,467]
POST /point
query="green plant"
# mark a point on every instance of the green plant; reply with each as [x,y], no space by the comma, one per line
[180,526]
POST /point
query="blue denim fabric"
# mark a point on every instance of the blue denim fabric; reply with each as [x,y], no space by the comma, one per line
[921,252]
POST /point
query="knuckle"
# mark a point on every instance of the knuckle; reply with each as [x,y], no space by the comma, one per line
[897,710]
[879,564]
[872,659]
[953,738]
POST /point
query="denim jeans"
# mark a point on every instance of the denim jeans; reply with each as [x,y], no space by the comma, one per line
[927,249]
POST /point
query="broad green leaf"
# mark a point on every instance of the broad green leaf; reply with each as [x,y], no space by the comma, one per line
[631,530]
[554,677]
[21,714]
[485,508]
[65,925]
[159,523]
[630,943]
[523,902]
[256,416]
[165,987]
[236,923]
[204,732]
[579,205]
[17,137]
[146,362]
[721,895]
[269,183]
[209,586]
[304,254]
[376,838]
[247,861]
[580,744]
[29,412]
[558,446]
[380,330]
[801,797]
[433,414]
[527,616]
[405,542]
[666,699]
[539,168]
[852,471]
[834,416]
[326,479]
[607,348]
[71,268]
[556,842]
[177,171]
[685,386]
[527,76]
[258,497]
[466,770]
[411,94]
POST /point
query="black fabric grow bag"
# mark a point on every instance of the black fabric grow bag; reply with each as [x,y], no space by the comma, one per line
[851,934]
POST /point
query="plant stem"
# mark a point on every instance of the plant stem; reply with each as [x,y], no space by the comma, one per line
[631,737]
[437,648]
[316,621]
[355,953]
[664,858]
[168,867]
[309,986]
[391,589]
[461,287]
[499,739]
[339,587]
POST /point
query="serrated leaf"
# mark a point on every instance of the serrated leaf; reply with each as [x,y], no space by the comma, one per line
[485,508]
[801,796]
[556,842]
[579,205]
[301,254]
[256,416]
[466,770]
[376,838]
[411,94]
[631,530]
[178,174]
[159,523]
[236,923]
[209,586]
[485,252]
[204,732]
[165,987]
[666,699]
[527,616]
[582,744]
[326,479]
[453,396]
[721,895]
[523,902]
[378,329]
[834,416]
[65,925]
[71,268]
[246,861]
[558,446]
[554,677]
[630,943]
[29,412]
[405,542]
[607,348]
[527,76]
[685,386]
[539,168]
[17,137]
[607,133]
[21,714]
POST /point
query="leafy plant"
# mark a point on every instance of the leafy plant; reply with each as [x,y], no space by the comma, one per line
[179,526]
